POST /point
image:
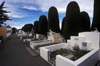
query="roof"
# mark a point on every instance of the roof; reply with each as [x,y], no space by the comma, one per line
[8,26]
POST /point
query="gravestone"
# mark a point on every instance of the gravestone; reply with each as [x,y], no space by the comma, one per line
[42,37]
[58,38]
[85,45]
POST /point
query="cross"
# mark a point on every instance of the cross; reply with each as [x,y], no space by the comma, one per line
[56,36]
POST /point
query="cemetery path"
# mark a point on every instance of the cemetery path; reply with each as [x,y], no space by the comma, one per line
[13,52]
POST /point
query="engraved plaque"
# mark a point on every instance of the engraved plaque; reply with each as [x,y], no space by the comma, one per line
[76,39]
[84,44]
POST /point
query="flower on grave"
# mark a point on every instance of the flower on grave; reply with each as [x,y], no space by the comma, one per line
[75,58]
[39,39]
[52,33]
[75,47]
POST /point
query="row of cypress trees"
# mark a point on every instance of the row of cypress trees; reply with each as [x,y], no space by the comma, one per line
[74,21]
[43,25]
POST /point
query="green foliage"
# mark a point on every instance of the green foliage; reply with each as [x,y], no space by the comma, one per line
[62,25]
[36,23]
[72,24]
[43,24]
[85,21]
[96,15]
[53,20]
[79,53]
[27,27]
[3,16]
[59,52]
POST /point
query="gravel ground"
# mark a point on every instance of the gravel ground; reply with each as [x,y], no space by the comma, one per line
[13,52]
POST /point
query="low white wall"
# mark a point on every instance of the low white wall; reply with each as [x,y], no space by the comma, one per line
[21,35]
[44,50]
[44,53]
[90,59]
[62,61]
[8,34]
[56,46]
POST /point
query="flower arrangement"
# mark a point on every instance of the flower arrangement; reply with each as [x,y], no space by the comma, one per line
[75,47]
[52,33]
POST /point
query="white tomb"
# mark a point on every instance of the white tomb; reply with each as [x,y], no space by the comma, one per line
[85,41]
[50,41]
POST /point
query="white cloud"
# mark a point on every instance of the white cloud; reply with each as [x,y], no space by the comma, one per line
[30,7]
[61,5]
[17,16]
[44,5]
[60,24]
[13,23]
[18,27]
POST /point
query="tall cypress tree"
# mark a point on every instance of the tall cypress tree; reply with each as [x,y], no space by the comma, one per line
[36,23]
[96,15]
[85,21]
[43,24]
[72,24]
[62,27]
[53,20]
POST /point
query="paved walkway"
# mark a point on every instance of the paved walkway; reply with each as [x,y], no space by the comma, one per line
[13,52]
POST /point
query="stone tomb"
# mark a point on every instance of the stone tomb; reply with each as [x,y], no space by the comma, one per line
[85,41]
[35,44]
[79,41]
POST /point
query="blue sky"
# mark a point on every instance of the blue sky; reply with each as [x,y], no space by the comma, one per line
[28,11]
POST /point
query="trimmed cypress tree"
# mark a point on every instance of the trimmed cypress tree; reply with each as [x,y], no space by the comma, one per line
[24,28]
[43,24]
[27,27]
[96,15]
[72,24]
[53,20]
[85,21]
[30,27]
[36,23]
[62,25]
